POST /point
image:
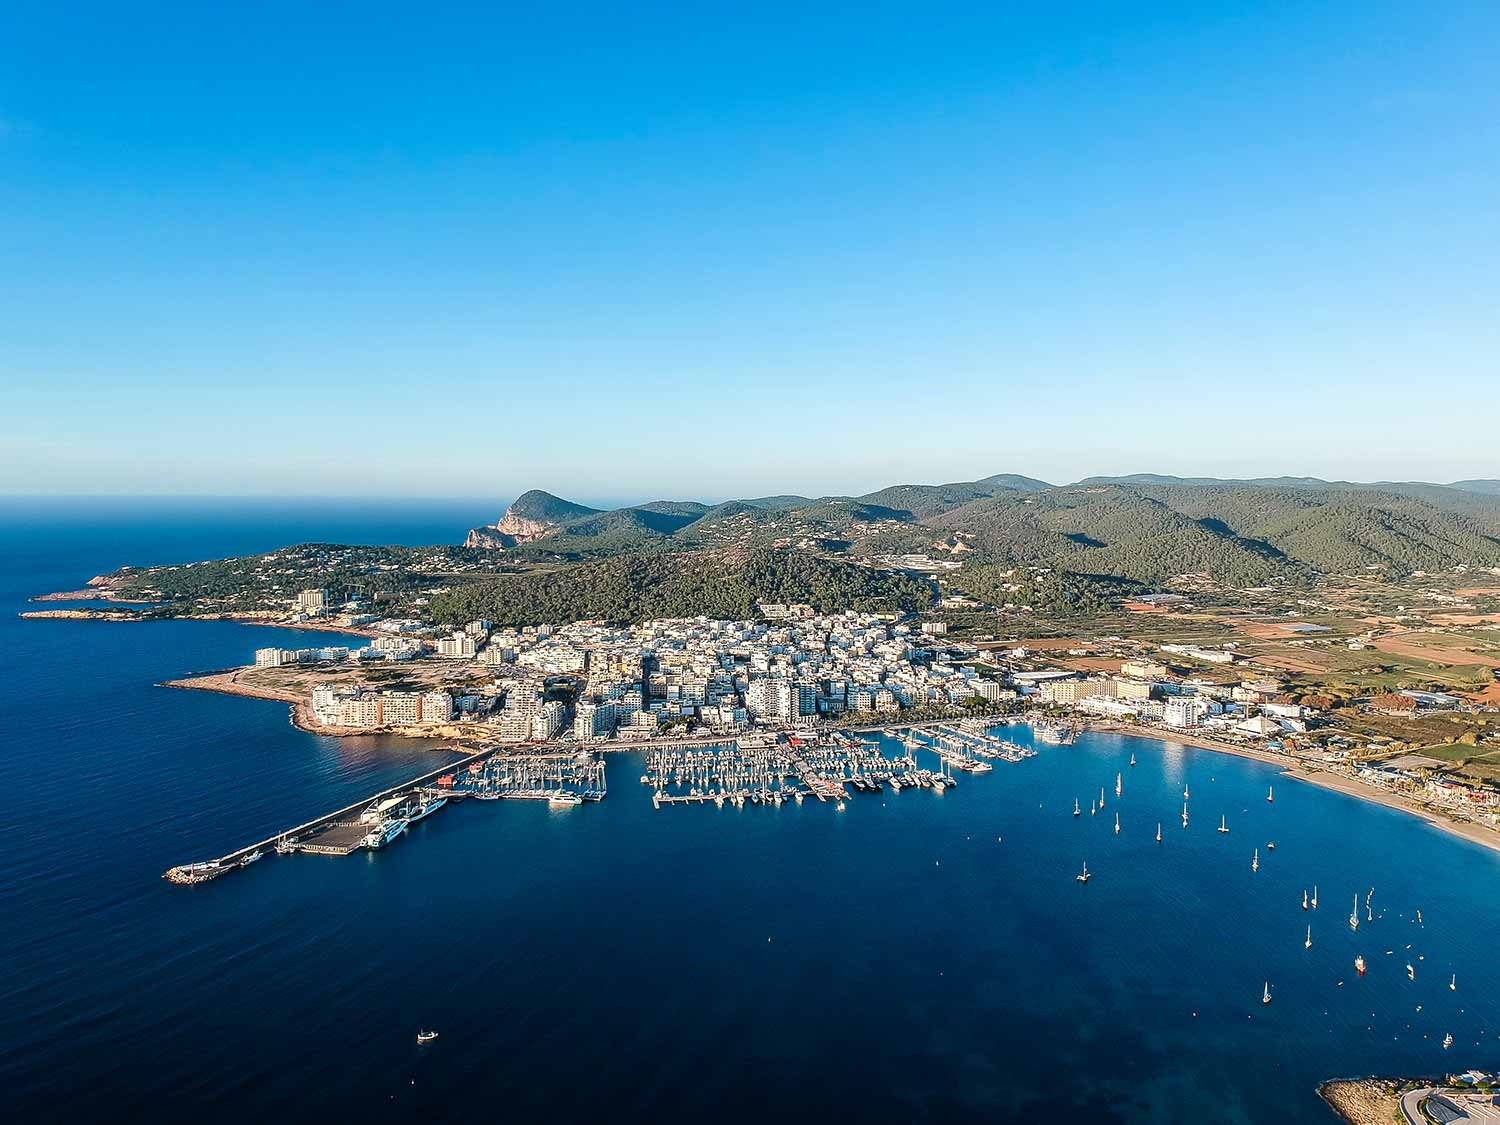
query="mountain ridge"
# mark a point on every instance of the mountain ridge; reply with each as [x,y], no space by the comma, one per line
[1145,528]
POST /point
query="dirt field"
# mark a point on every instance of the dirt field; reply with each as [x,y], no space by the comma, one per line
[1307,663]
[1435,648]
[1091,663]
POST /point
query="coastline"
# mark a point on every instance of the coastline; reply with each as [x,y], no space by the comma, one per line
[264,620]
[1363,1101]
[227,683]
[1301,771]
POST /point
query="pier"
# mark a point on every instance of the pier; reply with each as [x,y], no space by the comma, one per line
[486,774]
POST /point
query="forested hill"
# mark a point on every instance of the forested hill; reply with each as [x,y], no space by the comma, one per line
[1003,539]
[1143,528]
[640,587]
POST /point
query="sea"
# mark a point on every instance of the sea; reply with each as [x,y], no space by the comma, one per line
[914,958]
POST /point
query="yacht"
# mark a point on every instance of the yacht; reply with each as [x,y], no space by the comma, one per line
[562,798]
[252,857]
[1411,973]
[1255,863]
[1084,876]
[1447,1040]
[1359,964]
[426,1036]
[1354,915]
[384,833]
[1117,824]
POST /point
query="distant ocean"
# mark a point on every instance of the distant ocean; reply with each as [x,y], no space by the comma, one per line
[914,958]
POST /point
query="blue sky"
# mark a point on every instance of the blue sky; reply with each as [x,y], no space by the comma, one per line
[715,250]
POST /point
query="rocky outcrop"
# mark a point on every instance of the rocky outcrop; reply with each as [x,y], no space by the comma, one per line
[488,539]
[534,515]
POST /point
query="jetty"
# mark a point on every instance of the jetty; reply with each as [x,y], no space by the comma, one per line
[489,773]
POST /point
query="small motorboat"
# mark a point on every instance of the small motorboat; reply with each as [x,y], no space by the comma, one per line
[426,1036]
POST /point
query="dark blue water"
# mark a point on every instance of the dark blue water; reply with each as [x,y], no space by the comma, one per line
[915,958]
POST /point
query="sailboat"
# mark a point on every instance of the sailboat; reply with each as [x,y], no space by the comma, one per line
[1117,784]
[1101,798]
[1315,896]
[1265,997]
[1117,824]
[1411,973]
[1308,943]
[1076,810]
[1084,876]
[1184,814]
[1132,759]
[1304,898]
[1448,1040]
[1255,863]
[1223,824]
[1158,831]
[1270,794]
[1093,808]
[1354,915]
[1185,793]
[1419,917]
[1453,984]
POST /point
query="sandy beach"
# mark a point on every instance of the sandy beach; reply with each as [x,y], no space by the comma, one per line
[1302,771]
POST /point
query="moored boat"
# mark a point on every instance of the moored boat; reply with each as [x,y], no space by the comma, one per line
[382,835]
[426,807]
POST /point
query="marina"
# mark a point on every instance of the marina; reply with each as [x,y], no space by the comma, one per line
[826,767]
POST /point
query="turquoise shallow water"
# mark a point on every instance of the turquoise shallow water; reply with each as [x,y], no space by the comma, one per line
[914,958]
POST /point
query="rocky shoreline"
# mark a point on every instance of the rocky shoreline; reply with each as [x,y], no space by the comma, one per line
[110,614]
[1363,1101]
